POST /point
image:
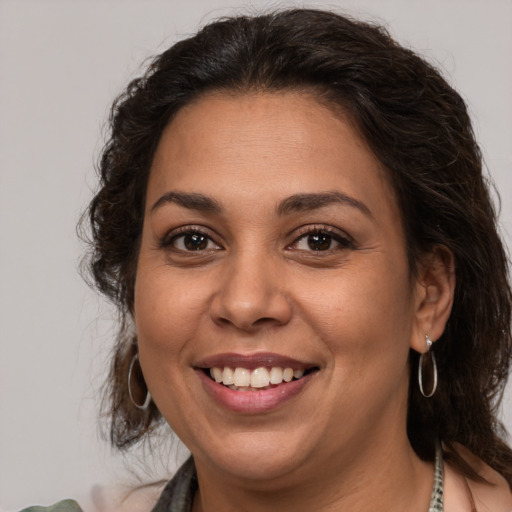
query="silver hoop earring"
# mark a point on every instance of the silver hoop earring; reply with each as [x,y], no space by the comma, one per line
[429,353]
[145,405]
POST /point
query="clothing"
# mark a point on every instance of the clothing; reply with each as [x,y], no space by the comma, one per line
[178,495]
[62,506]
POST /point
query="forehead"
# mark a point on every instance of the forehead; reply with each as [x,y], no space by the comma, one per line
[264,145]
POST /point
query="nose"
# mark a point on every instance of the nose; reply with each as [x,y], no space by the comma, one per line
[251,296]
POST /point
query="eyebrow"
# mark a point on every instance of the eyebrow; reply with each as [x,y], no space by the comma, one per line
[190,200]
[309,202]
[295,203]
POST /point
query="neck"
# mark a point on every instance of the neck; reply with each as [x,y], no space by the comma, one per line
[386,477]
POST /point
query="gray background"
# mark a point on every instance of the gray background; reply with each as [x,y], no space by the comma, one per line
[61,64]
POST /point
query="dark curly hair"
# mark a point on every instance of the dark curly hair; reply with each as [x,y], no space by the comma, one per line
[418,128]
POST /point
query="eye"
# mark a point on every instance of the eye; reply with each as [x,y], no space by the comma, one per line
[191,240]
[321,239]
[315,242]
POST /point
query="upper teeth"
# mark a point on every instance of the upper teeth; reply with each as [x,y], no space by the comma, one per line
[257,378]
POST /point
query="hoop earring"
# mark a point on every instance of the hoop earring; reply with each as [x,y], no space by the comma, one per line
[429,353]
[145,405]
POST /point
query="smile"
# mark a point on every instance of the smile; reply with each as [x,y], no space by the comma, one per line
[254,383]
[262,378]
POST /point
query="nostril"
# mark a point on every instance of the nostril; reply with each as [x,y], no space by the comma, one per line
[261,321]
[250,300]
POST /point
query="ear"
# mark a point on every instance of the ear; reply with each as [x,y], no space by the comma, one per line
[433,296]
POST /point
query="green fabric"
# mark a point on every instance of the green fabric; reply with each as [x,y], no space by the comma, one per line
[62,506]
[178,495]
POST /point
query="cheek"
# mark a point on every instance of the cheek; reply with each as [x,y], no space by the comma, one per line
[167,318]
[364,312]
[167,310]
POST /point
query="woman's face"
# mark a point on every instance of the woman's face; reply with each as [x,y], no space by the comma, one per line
[273,244]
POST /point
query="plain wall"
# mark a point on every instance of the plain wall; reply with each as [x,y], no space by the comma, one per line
[61,64]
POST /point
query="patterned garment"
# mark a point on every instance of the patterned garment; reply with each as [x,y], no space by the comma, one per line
[178,494]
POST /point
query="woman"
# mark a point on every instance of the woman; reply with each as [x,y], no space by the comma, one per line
[293,222]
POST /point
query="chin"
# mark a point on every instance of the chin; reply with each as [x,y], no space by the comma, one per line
[257,456]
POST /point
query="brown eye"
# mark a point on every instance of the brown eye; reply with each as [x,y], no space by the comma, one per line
[195,242]
[192,241]
[319,241]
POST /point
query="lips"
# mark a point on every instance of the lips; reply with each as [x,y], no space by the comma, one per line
[271,379]
[243,379]
[252,361]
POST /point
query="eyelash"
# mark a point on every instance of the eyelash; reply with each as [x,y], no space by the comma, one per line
[342,239]
[169,241]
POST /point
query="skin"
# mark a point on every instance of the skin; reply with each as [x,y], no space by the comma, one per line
[493,495]
[353,309]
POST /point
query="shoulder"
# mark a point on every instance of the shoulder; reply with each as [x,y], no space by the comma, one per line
[61,506]
[493,496]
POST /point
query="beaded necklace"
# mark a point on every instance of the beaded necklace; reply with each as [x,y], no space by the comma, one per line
[436,498]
